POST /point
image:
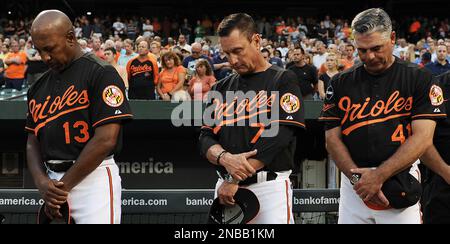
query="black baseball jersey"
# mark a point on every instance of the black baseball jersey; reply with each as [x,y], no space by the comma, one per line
[236,138]
[306,78]
[375,112]
[142,77]
[442,132]
[64,108]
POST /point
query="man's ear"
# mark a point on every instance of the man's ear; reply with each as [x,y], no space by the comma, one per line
[256,38]
[393,37]
[71,39]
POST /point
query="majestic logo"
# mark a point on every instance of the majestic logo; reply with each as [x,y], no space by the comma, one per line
[395,104]
[290,103]
[436,95]
[113,96]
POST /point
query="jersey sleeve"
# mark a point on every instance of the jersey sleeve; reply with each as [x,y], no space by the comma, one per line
[107,96]
[428,101]
[30,124]
[208,133]
[330,111]
[270,147]
[291,106]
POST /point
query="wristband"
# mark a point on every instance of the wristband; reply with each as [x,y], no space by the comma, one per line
[220,155]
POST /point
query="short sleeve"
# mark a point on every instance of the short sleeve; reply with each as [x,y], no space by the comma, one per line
[181,69]
[291,107]
[428,101]
[30,124]
[330,111]
[107,96]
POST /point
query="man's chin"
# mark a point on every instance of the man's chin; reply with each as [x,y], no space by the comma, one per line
[242,71]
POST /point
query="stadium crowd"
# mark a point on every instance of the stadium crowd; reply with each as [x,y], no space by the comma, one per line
[169,59]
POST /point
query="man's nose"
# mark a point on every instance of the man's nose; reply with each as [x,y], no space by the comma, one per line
[45,57]
[233,59]
[370,55]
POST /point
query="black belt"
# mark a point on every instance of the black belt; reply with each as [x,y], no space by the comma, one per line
[254,179]
[59,167]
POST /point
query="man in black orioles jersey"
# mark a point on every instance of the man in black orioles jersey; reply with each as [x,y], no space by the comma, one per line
[379,118]
[436,192]
[142,74]
[244,107]
[75,111]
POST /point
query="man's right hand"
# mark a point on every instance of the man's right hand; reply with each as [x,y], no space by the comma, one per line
[380,200]
[52,193]
[52,213]
[237,164]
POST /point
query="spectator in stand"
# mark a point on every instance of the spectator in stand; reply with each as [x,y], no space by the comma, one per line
[222,68]
[97,28]
[306,74]
[84,46]
[199,31]
[142,74]
[190,61]
[441,65]
[2,72]
[182,43]
[155,49]
[15,71]
[186,29]
[170,43]
[349,60]
[96,47]
[87,29]
[129,53]
[321,56]
[110,57]
[426,59]
[4,51]
[35,66]
[132,30]
[10,29]
[119,28]
[156,26]
[324,79]
[274,60]
[147,28]
[206,51]
[118,45]
[172,77]
[203,80]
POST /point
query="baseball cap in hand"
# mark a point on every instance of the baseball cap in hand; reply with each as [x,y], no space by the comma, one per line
[402,190]
[65,212]
[245,209]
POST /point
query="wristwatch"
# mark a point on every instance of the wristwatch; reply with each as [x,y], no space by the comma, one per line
[355,178]
[229,178]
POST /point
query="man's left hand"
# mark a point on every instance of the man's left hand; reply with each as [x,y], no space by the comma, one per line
[226,193]
[369,184]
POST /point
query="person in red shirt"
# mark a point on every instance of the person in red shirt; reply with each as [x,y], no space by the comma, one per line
[202,81]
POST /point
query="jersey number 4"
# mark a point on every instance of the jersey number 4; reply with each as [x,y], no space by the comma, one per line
[80,125]
[399,134]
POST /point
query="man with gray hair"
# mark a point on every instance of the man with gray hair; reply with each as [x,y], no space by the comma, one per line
[380,118]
